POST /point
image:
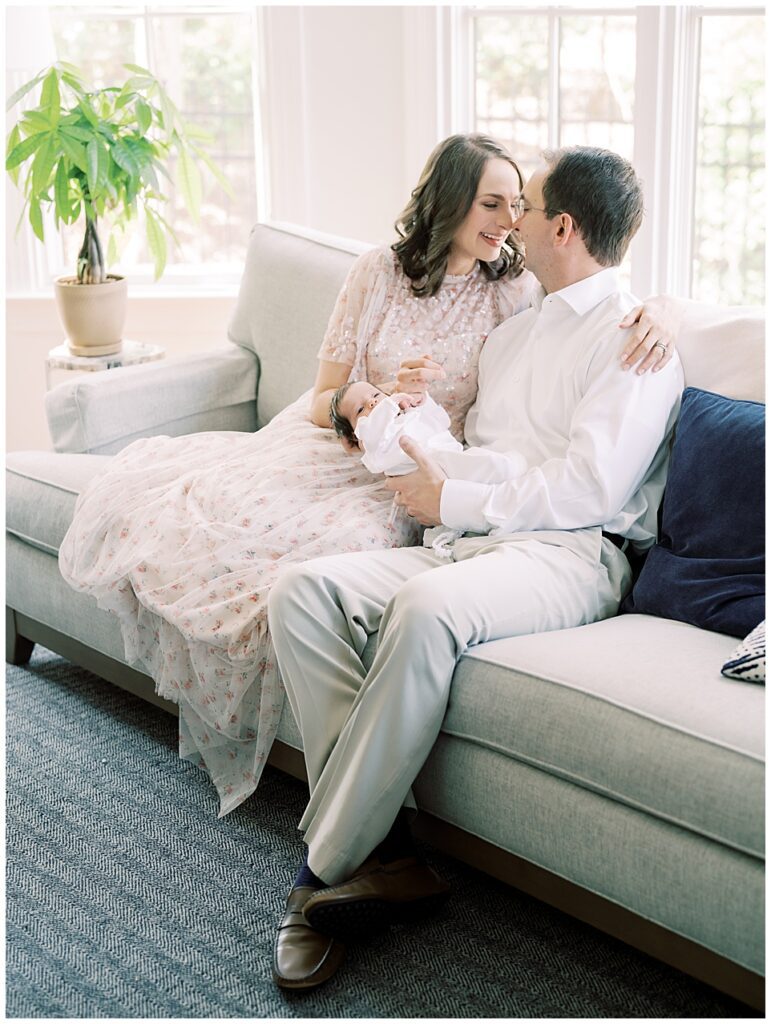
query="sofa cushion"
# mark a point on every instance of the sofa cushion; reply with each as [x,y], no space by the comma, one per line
[41,489]
[722,349]
[708,568]
[287,295]
[634,708]
[748,661]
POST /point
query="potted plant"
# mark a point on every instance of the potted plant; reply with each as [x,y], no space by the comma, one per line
[98,155]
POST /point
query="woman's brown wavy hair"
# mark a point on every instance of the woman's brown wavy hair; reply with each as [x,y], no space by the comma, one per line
[439,204]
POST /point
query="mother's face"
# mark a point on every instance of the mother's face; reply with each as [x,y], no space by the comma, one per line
[489,221]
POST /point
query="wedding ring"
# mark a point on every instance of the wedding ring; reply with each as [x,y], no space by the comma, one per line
[662,346]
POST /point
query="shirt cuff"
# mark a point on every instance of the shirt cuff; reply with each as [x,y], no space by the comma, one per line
[461,505]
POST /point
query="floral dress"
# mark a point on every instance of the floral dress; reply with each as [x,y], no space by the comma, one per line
[182,537]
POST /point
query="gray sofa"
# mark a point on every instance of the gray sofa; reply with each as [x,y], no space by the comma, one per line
[609,770]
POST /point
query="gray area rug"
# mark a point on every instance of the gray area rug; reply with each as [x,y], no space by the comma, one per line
[128,898]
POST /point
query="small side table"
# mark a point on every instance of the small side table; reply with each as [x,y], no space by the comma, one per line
[62,365]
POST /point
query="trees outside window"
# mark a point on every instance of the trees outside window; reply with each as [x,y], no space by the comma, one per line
[677,91]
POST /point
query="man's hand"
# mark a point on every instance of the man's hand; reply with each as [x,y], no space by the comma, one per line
[420,493]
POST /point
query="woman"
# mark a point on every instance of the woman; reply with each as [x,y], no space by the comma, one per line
[183,537]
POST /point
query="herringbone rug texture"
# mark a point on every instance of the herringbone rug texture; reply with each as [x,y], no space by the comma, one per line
[128,898]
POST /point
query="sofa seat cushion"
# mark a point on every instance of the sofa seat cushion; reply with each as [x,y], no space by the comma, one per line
[634,708]
[41,491]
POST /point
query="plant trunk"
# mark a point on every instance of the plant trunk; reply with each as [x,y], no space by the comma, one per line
[91,269]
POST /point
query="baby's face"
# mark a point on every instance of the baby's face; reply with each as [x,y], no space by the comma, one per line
[359,400]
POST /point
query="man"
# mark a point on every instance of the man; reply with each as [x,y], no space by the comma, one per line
[542,550]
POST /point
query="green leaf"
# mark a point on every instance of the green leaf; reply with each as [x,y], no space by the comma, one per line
[79,133]
[139,70]
[35,121]
[125,158]
[126,96]
[62,191]
[74,151]
[138,82]
[104,166]
[150,177]
[74,83]
[50,100]
[84,106]
[36,218]
[217,172]
[92,165]
[169,229]
[71,69]
[167,109]
[190,183]
[43,164]
[144,115]
[157,242]
[24,150]
[13,140]
[192,131]
[22,92]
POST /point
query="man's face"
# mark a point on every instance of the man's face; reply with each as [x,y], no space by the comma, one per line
[359,400]
[534,228]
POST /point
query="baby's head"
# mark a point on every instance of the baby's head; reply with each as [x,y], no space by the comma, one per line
[349,403]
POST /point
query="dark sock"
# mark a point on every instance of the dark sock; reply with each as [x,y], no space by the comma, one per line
[306,877]
[398,843]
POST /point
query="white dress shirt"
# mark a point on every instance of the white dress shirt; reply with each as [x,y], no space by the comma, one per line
[560,437]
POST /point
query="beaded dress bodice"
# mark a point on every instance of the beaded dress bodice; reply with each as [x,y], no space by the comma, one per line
[378,321]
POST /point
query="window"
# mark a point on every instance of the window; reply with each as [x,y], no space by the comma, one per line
[205,58]
[546,80]
[729,220]
[679,91]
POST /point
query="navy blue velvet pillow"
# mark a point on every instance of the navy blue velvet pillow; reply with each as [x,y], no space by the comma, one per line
[709,565]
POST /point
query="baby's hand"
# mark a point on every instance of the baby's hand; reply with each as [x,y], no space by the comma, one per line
[406,401]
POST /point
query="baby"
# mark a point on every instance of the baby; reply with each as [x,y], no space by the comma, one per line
[373,422]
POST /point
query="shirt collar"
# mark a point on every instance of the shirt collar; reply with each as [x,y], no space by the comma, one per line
[583,295]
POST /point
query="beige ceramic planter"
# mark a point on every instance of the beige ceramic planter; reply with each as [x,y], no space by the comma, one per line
[92,314]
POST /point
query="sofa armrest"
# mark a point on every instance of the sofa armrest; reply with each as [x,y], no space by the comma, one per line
[103,412]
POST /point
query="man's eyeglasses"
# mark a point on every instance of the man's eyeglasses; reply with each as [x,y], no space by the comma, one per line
[520,207]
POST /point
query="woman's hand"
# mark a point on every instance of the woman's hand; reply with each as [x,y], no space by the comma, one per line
[656,327]
[416,376]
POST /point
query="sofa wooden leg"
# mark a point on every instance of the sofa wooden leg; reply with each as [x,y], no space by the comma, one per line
[18,649]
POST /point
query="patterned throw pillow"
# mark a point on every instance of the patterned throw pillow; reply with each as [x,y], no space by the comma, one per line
[748,661]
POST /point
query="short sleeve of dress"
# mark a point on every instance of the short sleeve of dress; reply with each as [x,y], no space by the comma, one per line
[515,293]
[354,304]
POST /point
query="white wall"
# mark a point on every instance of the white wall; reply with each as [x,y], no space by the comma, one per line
[352,105]
[350,113]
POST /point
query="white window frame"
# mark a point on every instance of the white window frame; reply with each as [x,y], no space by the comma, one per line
[40,262]
[665,121]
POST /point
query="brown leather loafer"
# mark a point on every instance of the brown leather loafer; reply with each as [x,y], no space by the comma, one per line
[377,895]
[303,957]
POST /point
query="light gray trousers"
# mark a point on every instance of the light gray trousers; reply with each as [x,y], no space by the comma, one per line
[366,734]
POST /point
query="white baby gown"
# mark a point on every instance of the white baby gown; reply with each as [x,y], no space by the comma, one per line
[182,537]
[380,433]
